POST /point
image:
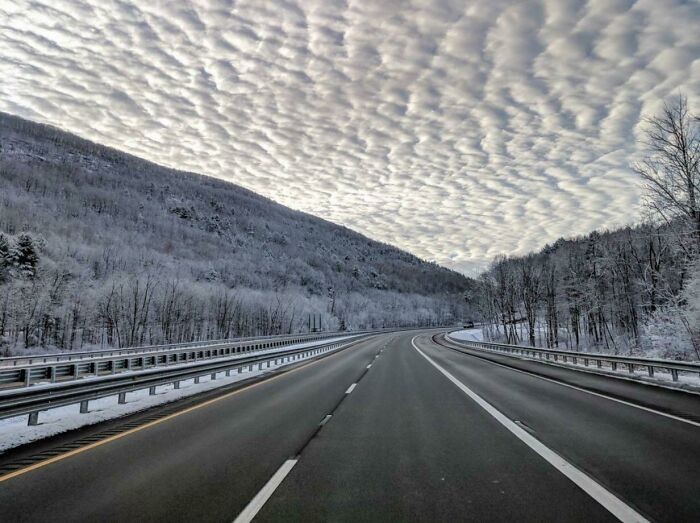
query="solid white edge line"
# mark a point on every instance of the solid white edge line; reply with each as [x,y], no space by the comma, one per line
[599,493]
[592,393]
[261,497]
[369,366]
[581,368]
[351,388]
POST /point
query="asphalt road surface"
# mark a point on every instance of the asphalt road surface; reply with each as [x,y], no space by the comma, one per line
[396,428]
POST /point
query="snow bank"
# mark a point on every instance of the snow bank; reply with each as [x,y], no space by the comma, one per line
[468,335]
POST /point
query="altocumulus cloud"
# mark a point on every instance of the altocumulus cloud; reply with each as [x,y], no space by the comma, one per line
[457,130]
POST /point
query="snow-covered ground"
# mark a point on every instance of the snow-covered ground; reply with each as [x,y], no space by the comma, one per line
[468,335]
[15,431]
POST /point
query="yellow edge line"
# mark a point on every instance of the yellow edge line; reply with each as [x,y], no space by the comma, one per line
[90,446]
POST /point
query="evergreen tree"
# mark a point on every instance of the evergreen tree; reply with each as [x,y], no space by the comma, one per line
[4,256]
[24,255]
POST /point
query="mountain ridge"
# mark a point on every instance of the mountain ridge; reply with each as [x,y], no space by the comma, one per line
[99,214]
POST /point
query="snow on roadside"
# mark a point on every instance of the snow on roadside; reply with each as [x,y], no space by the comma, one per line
[468,335]
[15,431]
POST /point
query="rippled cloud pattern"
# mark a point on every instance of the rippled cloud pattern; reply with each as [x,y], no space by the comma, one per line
[456,130]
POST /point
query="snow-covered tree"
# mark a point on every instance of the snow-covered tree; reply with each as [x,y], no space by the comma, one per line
[24,255]
[4,256]
[671,168]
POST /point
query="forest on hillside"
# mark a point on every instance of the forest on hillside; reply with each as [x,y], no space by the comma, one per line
[632,290]
[100,248]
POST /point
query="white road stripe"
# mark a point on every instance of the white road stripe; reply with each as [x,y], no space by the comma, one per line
[607,499]
[351,388]
[261,497]
[598,394]
[368,366]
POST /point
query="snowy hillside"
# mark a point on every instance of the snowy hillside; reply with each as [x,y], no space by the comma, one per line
[198,256]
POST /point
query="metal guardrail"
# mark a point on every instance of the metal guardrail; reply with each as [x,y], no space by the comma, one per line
[13,361]
[106,364]
[31,401]
[601,361]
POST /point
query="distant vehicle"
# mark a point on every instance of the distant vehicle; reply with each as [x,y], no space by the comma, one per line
[468,325]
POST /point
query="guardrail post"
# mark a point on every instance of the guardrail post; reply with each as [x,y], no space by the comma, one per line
[27,376]
[228,372]
[613,365]
[84,407]
[196,379]
[650,370]
[152,390]
[240,370]
[260,366]
[176,385]
[52,374]
[33,418]
[630,368]
[121,398]
[674,374]
[600,363]
[213,375]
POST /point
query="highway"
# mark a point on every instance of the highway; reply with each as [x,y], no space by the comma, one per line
[398,427]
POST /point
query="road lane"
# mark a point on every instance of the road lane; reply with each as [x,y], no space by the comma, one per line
[650,461]
[204,465]
[674,402]
[407,445]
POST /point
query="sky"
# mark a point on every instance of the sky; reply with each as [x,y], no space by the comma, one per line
[457,130]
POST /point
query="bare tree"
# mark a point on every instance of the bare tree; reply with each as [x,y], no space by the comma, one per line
[671,170]
[530,292]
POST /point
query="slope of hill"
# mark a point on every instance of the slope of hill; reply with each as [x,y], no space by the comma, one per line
[195,256]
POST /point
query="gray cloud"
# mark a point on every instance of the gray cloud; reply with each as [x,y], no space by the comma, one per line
[457,130]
